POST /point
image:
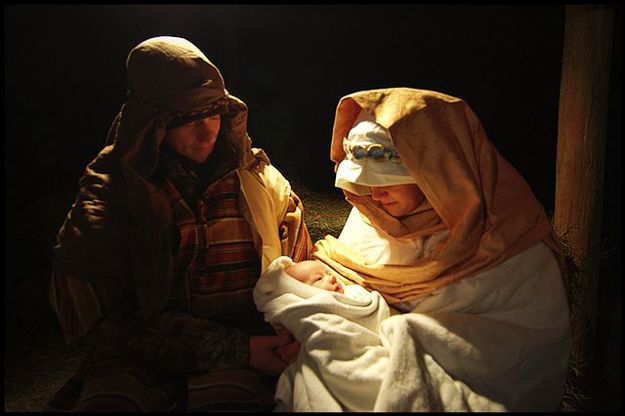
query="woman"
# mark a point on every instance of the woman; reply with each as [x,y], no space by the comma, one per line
[453,238]
[154,267]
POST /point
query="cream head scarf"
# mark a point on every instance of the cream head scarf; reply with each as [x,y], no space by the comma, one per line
[469,188]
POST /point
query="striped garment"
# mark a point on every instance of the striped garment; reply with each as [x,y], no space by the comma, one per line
[216,263]
[216,268]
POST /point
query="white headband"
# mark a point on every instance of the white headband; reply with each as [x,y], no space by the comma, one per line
[370,159]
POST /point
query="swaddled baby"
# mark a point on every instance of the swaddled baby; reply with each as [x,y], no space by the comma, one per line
[337,325]
[313,273]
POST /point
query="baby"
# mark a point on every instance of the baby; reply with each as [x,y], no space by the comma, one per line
[336,325]
[315,273]
[283,270]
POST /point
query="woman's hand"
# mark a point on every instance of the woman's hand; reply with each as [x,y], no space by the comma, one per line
[264,355]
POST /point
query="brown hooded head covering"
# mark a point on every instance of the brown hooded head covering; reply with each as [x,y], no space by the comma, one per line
[118,233]
[169,77]
[469,188]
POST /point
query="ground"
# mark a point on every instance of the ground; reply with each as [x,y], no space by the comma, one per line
[37,361]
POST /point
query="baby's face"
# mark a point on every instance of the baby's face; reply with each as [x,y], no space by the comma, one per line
[317,274]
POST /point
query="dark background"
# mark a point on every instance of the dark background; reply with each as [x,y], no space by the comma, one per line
[65,81]
[65,75]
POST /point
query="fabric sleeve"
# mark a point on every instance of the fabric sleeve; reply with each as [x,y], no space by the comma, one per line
[294,236]
[94,289]
[172,340]
[104,315]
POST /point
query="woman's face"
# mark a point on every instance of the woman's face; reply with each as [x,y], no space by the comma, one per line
[397,200]
[195,140]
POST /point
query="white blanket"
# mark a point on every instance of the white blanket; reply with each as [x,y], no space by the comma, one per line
[486,343]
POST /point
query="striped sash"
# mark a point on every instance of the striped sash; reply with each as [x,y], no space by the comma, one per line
[216,262]
[216,268]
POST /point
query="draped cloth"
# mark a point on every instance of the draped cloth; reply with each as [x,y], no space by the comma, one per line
[470,190]
[483,344]
[123,278]
[118,205]
[485,323]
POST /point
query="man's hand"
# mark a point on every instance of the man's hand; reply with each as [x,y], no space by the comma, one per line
[264,355]
[289,351]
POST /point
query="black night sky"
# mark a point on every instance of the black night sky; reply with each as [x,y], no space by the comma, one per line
[65,82]
[65,78]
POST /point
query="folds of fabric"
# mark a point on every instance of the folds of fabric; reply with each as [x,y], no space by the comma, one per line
[470,189]
[479,345]
[113,261]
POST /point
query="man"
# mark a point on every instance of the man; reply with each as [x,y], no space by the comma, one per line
[154,267]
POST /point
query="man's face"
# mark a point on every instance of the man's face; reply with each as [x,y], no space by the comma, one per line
[397,200]
[195,140]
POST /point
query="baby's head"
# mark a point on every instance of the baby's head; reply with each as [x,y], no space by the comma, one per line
[315,273]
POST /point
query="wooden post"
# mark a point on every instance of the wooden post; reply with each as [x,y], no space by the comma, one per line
[580,170]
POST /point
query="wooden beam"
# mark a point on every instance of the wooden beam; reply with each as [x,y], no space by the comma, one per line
[580,160]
